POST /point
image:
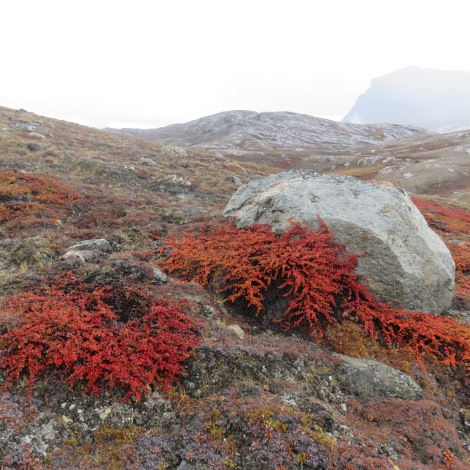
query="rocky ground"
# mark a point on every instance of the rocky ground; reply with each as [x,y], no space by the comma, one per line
[252,397]
[420,161]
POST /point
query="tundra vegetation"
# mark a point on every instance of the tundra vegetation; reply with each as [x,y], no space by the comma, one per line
[104,364]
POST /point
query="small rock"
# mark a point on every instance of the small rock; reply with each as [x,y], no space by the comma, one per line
[367,378]
[25,126]
[237,331]
[146,161]
[177,180]
[38,135]
[174,151]
[87,256]
[121,269]
[35,147]
[66,420]
[208,311]
[159,276]
[100,244]
[233,179]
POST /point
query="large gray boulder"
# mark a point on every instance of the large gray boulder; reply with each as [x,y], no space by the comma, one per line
[407,263]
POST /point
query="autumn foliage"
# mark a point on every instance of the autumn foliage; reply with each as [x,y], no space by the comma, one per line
[443,217]
[311,278]
[25,194]
[452,224]
[99,337]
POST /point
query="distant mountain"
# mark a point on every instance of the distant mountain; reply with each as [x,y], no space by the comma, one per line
[249,131]
[438,100]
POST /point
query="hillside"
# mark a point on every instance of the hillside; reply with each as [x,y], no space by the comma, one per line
[122,363]
[248,132]
[435,165]
[421,162]
[438,100]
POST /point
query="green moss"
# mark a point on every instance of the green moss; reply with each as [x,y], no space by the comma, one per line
[216,432]
[108,447]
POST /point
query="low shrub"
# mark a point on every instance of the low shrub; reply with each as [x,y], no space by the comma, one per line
[452,225]
[444,217]
[102,337]
[311,277]
[25,194]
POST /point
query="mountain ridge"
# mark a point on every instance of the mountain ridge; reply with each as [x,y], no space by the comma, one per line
[414,158]
[254,131]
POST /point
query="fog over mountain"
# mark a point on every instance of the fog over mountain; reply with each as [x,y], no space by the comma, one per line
[438,100]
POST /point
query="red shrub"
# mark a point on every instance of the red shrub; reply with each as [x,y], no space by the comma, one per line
[444,217]
[438,336]
[309,269]
[452,224]
[315,277]
[27,194]
[80,333]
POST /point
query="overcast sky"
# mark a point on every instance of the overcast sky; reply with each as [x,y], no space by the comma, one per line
[148,63]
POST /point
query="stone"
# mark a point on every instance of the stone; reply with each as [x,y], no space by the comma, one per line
[119,269]
[367,378]
[35,147]
[25,126]
[233,179]
[176,180]
[174,151]
[38,135]
[87,256]
[159,276]
[100,244]
[236,331]
[407,263]
[146,161]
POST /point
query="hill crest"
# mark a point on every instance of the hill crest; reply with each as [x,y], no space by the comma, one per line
[253,131]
